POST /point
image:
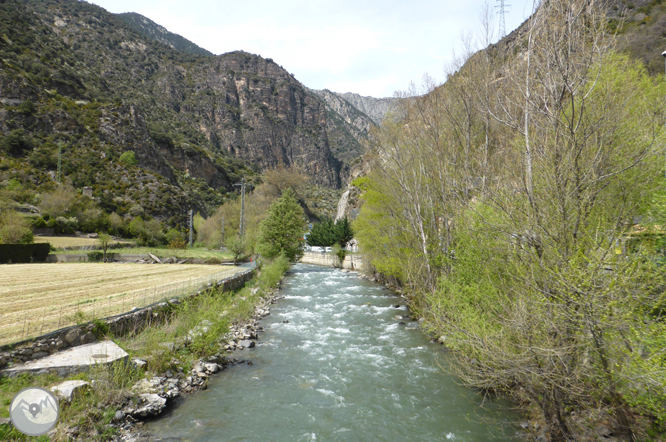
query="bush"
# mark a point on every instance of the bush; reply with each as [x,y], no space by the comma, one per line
[14,229]
[96,256]
[128,158]
[58,202]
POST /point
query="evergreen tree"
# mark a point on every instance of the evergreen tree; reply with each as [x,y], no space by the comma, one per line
[322,234]
[282,230]
[343,232]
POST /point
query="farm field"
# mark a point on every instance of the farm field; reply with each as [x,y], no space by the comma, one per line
[39,298]
[71,241]
[164,252]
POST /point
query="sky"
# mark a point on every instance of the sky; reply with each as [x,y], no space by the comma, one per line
[369,47]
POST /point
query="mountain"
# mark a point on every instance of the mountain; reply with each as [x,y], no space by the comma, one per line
[152,30]
[77,78]
[375,108]
[347,129]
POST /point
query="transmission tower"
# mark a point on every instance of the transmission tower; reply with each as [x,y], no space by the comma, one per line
[502,8]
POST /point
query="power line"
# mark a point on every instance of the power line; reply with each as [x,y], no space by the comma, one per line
[502,9]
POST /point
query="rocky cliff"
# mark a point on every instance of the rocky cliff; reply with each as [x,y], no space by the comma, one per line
[74,75]
[375,108]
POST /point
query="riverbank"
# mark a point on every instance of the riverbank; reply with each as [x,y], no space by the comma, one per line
[338,361]
[170,359]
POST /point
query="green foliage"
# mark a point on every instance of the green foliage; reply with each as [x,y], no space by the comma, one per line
[322,234]
[148,233]
[340,253]
[128,158]
[16,143]
[326,233]
[236,246]
[14,228]
[282,230]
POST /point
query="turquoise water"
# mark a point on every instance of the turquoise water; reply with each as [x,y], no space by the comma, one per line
[342,368]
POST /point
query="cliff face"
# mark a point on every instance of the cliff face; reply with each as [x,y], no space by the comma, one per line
[72,74]
[375,108]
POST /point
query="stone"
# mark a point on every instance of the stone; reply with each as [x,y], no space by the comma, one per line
[39,354]
[149,405]
[3,361]
[246,343]
[118,416]
[5,421]
[202,374]
[67,389]
[139,363]
[88,338]
[398,317]
[72,335]
[603,430]
[211,367]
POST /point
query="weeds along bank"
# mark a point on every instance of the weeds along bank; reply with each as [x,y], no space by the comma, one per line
[170,359]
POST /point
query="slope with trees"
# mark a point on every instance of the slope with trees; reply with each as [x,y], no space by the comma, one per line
[504,201]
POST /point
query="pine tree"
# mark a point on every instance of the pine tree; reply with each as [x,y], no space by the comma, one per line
[282,230]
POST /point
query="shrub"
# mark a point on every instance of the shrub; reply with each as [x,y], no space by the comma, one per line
[128,158]
[14,229]
[58,202]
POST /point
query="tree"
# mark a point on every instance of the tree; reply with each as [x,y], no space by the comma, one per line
[344,232]
[282,230]
[236,245]
[104,240]
[322,234]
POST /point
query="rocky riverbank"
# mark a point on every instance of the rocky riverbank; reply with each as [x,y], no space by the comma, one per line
[153,395]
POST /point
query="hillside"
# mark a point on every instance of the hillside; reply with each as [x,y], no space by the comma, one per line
[76,76]
[152,30]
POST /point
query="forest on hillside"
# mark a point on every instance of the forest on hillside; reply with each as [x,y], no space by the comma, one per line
[522,206]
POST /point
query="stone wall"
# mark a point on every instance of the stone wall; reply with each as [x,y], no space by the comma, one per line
[131,321]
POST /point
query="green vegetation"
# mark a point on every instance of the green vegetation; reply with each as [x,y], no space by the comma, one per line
[14,229]
[282,230]
[504,200]
[326,233]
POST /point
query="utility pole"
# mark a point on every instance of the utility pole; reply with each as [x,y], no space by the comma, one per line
[191,220]
[222,232]
[502,9]
[663,54]
[241,232]
[59,174]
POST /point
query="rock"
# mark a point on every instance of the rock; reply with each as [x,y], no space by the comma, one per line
[155,258]
[603,430]
[3,361]
[202,374]
[139,363]
[39,354]
[88,338]
[118,416]
[246,343]
[72,336]
[149,405]
[67,389]
[211,367]
[396,306]
[398,317]
[442,339]
[5,421]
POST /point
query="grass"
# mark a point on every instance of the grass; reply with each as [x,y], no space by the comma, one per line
[38,298]
[71,241]
[93,410]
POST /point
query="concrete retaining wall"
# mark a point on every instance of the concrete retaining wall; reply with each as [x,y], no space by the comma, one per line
[132,321]
[352,262]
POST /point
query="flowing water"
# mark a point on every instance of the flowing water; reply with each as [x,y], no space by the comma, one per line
[335,364]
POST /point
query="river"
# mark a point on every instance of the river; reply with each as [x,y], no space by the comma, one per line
[335,364]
